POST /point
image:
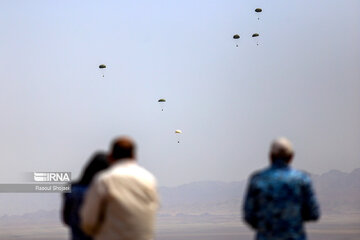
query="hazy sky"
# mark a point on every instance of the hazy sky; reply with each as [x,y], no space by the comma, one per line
[302,81]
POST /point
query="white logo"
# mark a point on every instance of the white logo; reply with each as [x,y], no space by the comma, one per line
[51,176]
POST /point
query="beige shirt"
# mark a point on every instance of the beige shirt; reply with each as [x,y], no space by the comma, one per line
[121,204]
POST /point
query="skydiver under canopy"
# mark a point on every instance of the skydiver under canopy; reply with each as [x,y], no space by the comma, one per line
[178,131]
[236,37]
[258,12]
[102,68]
[162,101]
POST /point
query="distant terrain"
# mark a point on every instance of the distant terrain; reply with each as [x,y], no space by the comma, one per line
[338,192]
[208,210]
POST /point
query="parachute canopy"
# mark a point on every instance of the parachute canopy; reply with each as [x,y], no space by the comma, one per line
[102,66]
[258,10]
[236,36]
[178,131]
[161,100]
[255,35]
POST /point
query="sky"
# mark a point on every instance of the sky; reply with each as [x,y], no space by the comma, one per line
[302,81]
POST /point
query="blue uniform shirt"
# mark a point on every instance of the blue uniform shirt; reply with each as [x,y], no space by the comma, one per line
[278,200]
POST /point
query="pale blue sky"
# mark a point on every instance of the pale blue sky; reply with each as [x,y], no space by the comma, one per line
[302,81]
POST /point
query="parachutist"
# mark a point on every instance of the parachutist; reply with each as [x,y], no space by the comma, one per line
[162,102]
[236,37]
[178,131]
[102,68]
[256,35]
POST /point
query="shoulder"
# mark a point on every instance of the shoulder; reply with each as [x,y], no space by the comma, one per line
[126,170]
[301,176]
[259,174]
[135,171]
[148,176]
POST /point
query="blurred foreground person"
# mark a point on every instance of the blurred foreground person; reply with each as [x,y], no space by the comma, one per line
[280,199]
[122,201]
[74,199]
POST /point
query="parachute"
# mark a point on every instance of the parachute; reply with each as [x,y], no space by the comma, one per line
[162,101]
[102,68]
[236,37]
[178,132]
[258,12]
[255,36]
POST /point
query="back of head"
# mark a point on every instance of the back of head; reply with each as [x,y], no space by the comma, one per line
[281,150]
[122,148]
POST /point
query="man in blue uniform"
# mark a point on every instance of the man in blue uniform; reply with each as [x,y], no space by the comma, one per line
[280,199]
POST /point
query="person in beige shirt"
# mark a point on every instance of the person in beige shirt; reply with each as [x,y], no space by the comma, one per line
[122,201]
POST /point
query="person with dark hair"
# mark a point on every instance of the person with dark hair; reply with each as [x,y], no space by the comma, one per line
[73,200]
[122,201]
[279,199]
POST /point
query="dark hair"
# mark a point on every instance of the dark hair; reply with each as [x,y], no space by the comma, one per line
[122,148]
[281,157]
[97,163]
